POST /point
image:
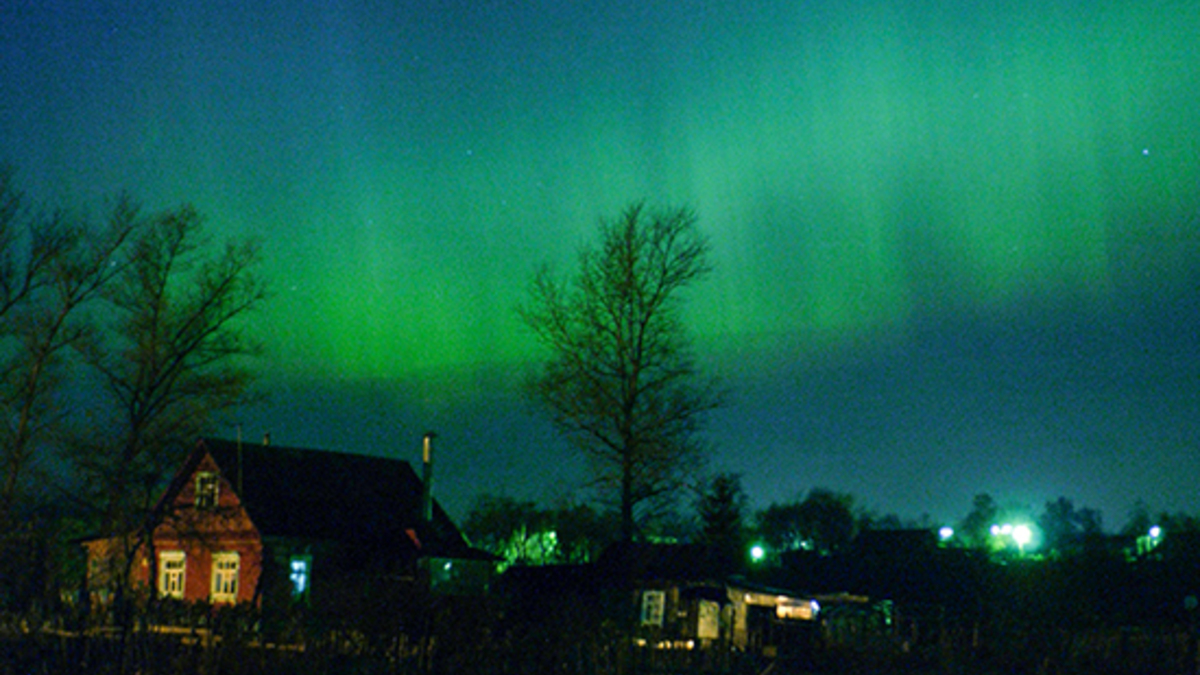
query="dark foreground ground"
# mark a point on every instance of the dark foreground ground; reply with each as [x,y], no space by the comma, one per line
[1132,652]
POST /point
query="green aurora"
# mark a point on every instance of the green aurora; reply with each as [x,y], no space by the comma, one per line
[850,173]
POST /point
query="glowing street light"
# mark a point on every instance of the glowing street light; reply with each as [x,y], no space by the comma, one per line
[757,553]
[1022,535]
[1006,534]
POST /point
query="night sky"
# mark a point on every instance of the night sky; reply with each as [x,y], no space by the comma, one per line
[957,245]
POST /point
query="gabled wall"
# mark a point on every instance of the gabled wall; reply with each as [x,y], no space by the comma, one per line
[199,533]
[203,533]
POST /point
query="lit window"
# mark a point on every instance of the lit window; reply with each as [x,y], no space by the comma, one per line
[206,490]
[299,571]
[225,577]
[708,620]
[653,607]
[171,568]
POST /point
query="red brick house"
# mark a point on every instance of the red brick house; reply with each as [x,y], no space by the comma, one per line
[246,523]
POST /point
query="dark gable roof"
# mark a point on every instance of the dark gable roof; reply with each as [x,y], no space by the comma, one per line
[316,494]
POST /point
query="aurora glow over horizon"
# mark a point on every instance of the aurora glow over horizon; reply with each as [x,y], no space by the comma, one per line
[957,247]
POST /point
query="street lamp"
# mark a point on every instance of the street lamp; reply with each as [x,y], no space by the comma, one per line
[1022,535]
[757,553]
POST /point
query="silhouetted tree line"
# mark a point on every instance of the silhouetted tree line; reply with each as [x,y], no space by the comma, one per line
[1077,604]
[823,521]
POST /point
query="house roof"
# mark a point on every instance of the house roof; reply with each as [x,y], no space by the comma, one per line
[336,496]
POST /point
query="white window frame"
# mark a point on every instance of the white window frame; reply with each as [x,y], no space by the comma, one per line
[226,567]
[654,605]
[208,490]
[172,574]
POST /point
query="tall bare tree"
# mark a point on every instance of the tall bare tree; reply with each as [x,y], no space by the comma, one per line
[51,267]
[621,379]
[171,357]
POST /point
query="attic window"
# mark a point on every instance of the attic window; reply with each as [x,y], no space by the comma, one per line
[206,490]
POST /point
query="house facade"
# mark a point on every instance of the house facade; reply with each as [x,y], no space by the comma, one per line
[277,526]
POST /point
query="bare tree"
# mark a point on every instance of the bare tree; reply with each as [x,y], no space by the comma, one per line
[621,380]
[51,267]
[171,356]
[20,267]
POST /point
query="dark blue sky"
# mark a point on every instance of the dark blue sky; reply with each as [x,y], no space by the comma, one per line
[957,249]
